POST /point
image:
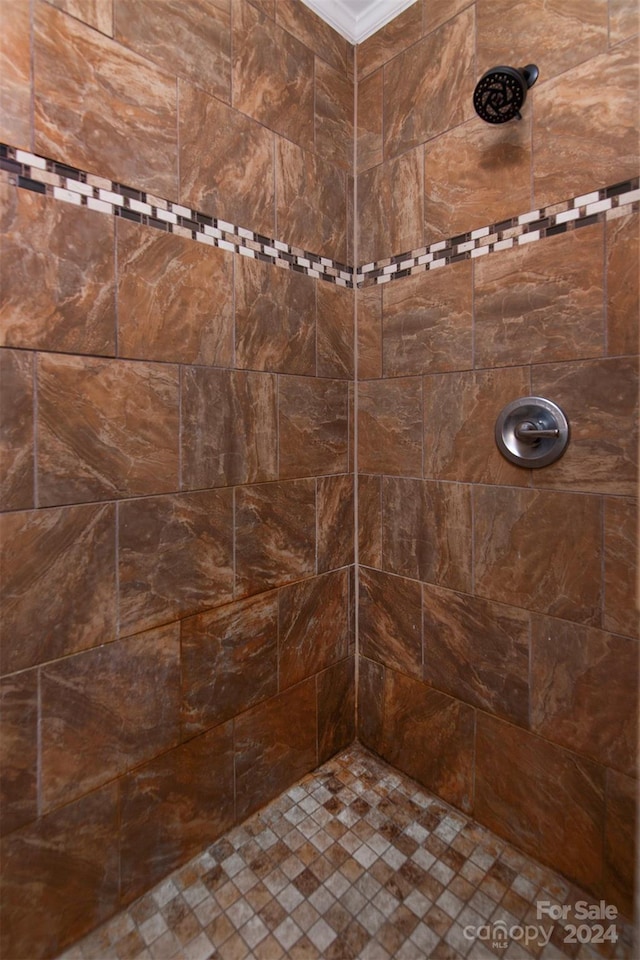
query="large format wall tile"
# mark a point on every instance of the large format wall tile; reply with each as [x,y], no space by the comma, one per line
[334,95]
[579,145]
[60,876]
[477,651]
[275,319]
[18,750]
[275,534]
[59,583]
[427,322]
[390,40]
[416,715]
[623,284]
[272,75]
[391,621]
[390,201]
[175,298]
[175,556]
[97,13]
[600,401]
[370,704]
[623,22]
[70,251]
[174,806]
[428,89]
[542,798]
[229,427]
[584,686]
[15,74]
[102,108]
[106,429]
[539,550]
[527,301]
[314,32]
[620,841]
[16,430]
[229,661]
[212,179]
[621,566]
[335,523]
[370,520]
[313,428]
[104,711]
[192,40]
[275,745]
[369,149]
[390,426]
[335,309]
[426,531]
[313,626]
[336,708]
[460,411]
[369,314]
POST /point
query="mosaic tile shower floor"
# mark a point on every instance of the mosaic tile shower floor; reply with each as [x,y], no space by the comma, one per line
[356,860]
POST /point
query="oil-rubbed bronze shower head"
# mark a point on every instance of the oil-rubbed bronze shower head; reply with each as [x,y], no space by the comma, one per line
[501,92]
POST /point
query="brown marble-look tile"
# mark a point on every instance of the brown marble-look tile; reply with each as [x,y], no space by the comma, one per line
[600,400]
[370,520]
[275,745]
[175,557]
[59,583]
[272,75]
[311,202]
[477,651]
[527,300]
[106,710]
[390,426]
[460,410]
[174,806]
[275,534]
[539,549]
[60,876]
[229,427]
[18,750]
[15,75]
[584,691]
[544,799]
[370,707]
[312,426]
[369,309]
[390,202]
[313,626]
[561,36]
[429,88]
[16,430]
[391,621]
[311,30]
[620,566]
[623,23]
[335,309]
[427,322]
[102,108]
[620,841]
[106,429]
[390,40]
[70,250]
[193,40]
[430,737]
[623,284]
[175,298]
[226,162]
[436,12]
[427,531]
[465,170]
[336,708]
[577,144]
[275,319]
[334,95]
[96,13]
[229,661]
[335,522]
[369,94]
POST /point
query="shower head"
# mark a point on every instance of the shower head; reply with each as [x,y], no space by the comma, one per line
[501,92]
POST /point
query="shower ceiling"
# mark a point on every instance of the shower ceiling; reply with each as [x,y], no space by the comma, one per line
[357,19]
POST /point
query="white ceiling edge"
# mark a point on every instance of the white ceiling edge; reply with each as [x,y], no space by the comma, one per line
[356,20]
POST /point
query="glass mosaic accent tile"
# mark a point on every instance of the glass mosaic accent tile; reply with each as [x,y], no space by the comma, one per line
[357,860]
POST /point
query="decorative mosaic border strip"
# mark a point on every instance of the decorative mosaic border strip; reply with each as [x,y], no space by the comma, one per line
[608,203]
[69,184]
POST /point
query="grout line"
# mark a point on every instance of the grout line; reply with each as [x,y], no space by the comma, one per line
[34,408]
[356,395]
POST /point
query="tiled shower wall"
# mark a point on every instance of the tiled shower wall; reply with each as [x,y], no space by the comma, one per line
[178,488]
[498,631]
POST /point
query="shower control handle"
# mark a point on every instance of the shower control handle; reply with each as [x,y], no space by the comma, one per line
[532,432]
[529,432]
